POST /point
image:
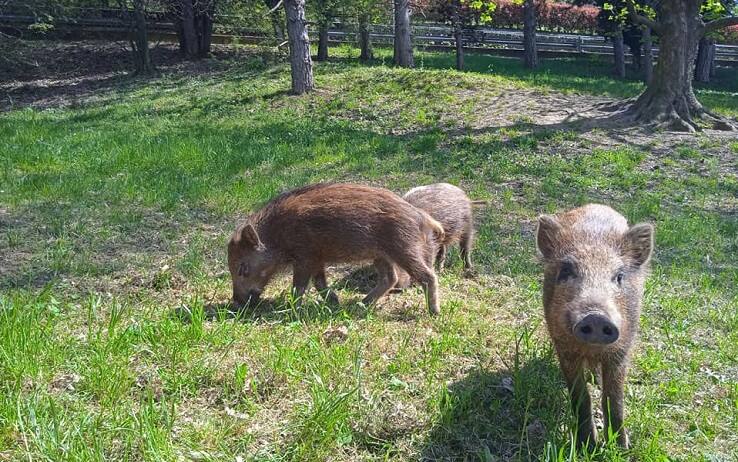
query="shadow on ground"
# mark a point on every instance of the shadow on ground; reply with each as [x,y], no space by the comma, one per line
[502,415]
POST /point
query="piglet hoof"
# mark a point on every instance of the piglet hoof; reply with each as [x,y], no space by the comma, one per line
[587,440]
[623,440]
[331,298]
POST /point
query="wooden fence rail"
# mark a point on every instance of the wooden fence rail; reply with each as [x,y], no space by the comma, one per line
[433,36]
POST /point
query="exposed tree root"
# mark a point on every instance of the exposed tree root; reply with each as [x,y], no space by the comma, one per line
[682,113]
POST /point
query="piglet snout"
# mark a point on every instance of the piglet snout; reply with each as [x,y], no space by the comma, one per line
[596,328]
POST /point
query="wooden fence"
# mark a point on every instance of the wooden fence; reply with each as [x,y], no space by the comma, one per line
[114,22]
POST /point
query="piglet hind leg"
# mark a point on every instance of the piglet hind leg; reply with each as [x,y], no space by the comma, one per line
[419,271]
[465,245]
[386,279]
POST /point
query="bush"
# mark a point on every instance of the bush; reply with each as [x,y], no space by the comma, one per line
[560,17]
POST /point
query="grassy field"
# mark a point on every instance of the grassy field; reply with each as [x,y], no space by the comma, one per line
[114,214]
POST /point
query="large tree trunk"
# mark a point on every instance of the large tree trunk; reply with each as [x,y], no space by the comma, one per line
[322,42]
[619,53]
[205,31]
[140,43]
[403,41]
[365,41]
[705,60]
[530,50]
[459,39]
[300,61]
[669,101]
[647,55]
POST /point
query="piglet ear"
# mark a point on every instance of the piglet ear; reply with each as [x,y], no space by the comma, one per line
[547,235]
[246,235]
[638,244]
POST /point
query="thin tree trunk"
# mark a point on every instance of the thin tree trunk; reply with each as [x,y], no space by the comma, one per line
[300,61]
[647,55]
[189,35]
[705,60]
[619,51]
[403,41]
[530,50]
[322,42]
[204,33]
[141,49]
[365,41]
[459,38]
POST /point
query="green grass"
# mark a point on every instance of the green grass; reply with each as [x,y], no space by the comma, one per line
[113,223]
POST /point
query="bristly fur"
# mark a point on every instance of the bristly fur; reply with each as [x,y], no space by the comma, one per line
[609,261]
[326,223]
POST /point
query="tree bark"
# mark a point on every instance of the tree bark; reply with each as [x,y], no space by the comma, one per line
[204,31]
[365,41]
[705,60]
[647,55]
[403,41]
[530,56]
[669,100]
[322,42]
[300,61]
[459,38]
[619,52]
[189,35]
[140,44]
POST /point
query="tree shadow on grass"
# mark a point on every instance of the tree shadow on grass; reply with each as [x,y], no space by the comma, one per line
[509,414]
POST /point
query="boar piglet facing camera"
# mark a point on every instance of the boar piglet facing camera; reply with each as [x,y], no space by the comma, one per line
[594,270]
[321,224]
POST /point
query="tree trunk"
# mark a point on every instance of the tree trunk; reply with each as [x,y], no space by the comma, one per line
[403,41]
[300,61]
[669,101]
[365,41]
[705,60]
[530,56]
[619,51]
[322,42]
[647,55]
[189,34]
[459,38]
[204,32]
[140,44]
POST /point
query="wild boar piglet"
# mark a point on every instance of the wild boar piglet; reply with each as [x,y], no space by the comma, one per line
[450,206]
[316,225]
[595,266]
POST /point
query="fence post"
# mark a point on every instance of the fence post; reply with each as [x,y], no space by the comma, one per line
[580,42]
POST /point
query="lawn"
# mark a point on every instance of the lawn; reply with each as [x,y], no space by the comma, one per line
[115,211]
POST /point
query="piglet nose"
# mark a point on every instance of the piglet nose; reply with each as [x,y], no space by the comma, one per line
[596,328]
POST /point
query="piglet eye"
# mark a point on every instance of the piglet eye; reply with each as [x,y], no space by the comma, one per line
[619,277]
[243,269]
[566,272]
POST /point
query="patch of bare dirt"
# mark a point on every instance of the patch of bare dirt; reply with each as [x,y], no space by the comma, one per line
[62,74]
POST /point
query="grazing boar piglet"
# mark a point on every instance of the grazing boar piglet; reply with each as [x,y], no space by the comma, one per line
[594,269]
[321,224]
[450,206]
